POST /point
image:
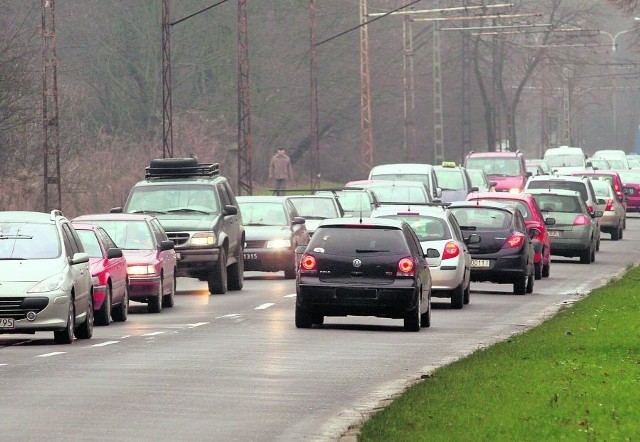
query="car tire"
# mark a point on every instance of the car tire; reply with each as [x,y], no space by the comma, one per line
[154,304]
[520,285]
[217,279]
[425,318]
[66,336]
[85,330]
[530,282]
[121,312]
[103,316]
[303,319]
[597,246]
[467,293]
[235,273]
[593,255]
[412,319]
[585,256]
[169,300]
[616,234]
[457,297]
[546,269]
[537,270]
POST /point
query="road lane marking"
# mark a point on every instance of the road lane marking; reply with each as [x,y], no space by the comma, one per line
[232,315]
[125,337]
[197,324]
[3,365]
[54,353]
[265,306]
[293,295]
[153,333]
[102,344]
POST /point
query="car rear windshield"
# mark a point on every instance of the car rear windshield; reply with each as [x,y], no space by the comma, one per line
[450,179]
[28,241]
[354,201]
[348,240]
[496,166]
[629,176]
[482,218]
[427,228]
[520,205]
[422,177]
[559,203]
[317,208]
[401,194]
[565,160]
[173,199]
[576,186]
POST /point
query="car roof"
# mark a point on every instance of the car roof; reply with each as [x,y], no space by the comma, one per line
[494,154]
[500,196]
[390,183]
[365,222]
[402,167]
[81,225]
[558,178]
[484,204]
[114,217]
[261,199]
[553,192]
[421,209]
[27,216]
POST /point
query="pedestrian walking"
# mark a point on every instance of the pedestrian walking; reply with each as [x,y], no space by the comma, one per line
[280,171]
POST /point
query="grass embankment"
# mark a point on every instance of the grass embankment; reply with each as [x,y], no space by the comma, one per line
[574,377]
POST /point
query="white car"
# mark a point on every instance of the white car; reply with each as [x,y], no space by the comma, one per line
[443,245]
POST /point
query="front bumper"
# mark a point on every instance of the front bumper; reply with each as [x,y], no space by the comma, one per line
[143,287]
[196,260]
[51,311]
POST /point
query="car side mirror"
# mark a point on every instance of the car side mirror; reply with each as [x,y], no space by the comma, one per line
[114,252]
[589,164]
[116,210]
[597,214]
[549,221]
[474,189]
[627,190]
[534,232]
[79,258]
[492,184]
[432,253]
[438,193]
[230,210]
[166,244]
[601,201]
[529,174]
[473,239]
[298,220]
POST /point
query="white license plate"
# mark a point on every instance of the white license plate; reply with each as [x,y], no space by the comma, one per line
[6,323]
[251,256]
[554,233]
[480,263]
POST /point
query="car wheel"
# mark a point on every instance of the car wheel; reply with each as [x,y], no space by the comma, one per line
[303,319]
[412,318]
[425,318]
[597,245]
[85,330]
[624,221]
[467,293]
[593,255]
[537,269]
[154,304]
[103,316]
[290,273]
[585,256]
[168,301]
[235,273]
[546,269]
[530,281]
[120,313]
[457,297]
[520,286]
[217,279]
[66,336]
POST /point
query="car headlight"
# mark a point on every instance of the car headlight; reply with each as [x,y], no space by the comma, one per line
[48,285]
[141,270]
[203,239]
[515,190]
[279,244]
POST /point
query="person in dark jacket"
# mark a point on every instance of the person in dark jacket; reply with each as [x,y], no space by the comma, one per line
[280,171]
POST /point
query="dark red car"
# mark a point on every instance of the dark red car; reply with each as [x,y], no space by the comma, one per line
[631,188]
[109,271]
[535,222]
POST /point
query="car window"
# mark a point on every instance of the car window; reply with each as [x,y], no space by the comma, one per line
[74,240]
[455,228]
[352,240]
[315,207]
[258,213]
[90,243]
[106,239]
[522,206]
[158,231]
[427,228]
[352,201]
[451,179]
[130,235]
[499,166]
[401,194]
[168,198]
[576,186]
[565,160]
[559,203]
[28,241]
[423,178]
[482,218]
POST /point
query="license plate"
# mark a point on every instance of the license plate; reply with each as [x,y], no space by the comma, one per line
[6,323]
[554,233]
[251,256]
[480,263]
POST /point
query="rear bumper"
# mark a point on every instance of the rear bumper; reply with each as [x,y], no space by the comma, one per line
[505,269]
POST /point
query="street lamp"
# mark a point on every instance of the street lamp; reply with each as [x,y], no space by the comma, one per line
[614,37]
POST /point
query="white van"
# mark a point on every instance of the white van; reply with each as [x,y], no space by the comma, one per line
[617,158]
[565,160]
[408,172]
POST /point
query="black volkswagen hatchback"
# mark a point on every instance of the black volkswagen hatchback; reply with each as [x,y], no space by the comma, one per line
[364,267]
[500,246]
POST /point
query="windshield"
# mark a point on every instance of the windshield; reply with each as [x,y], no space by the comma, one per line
[129,235]
[90,243]
[423,178]
[629,176]
[450,179]
[263,214]
[172,198]
[477,177]
[315,208]
[28,241]
[354,201]
[427,228]
[602,188]
[398,194]
[565,160]
[497,166]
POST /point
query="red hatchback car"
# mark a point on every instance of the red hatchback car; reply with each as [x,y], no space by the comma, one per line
[151,260]
[535,222]
[109,270]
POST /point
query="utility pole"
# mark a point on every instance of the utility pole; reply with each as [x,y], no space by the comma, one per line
[245,147]
[366,127]
[409,104]
[167,114]
[566,105]
[438,124]
[50,121]
[314,154]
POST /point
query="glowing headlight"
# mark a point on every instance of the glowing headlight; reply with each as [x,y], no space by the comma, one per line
[203,239]
[47,285]
[515,190]
[279,244]
[141,270]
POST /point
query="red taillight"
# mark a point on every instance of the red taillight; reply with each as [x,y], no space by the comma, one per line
[591,209]
[406,267]
[514,241]
[308,263]
[451,250]
[609,205]
[581,220]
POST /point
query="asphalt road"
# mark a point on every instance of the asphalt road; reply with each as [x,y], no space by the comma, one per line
[235,368]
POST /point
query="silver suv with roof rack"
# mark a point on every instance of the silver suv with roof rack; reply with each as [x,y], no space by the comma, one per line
[197,208]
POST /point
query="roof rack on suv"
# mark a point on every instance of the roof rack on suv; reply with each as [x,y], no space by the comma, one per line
[180,168]
[55,213]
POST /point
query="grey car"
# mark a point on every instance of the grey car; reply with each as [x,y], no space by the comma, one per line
[614,213]
[315,208]
[454,181]
[45,279]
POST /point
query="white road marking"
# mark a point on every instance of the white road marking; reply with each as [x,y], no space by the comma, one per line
[197,324]
[55,353]
[3,365]
[265,306]
[153,333]
[125,337]
[103,344]
[232,315]
[293,295]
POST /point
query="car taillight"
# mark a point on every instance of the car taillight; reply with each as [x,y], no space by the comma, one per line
[308,263]
[451,250]
[591,209]
[609,205]
[406,267]
[514,241]
[581,220]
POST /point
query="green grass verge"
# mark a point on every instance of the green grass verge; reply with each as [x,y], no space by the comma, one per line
[574,377]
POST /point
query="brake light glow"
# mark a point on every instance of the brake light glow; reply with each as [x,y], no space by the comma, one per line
[591,209]
[406,267]
[308,263]
[514,241]
[581,220]
[451,250]
[609,205]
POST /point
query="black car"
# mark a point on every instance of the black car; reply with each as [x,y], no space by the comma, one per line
[501,249]
[368,267]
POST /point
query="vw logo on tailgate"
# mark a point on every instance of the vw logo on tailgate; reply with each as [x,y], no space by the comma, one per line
[357,263]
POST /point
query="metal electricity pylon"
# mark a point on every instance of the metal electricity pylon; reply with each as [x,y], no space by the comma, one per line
[245,145]
[167,114]
[50,121]
[366,126]
[314,154]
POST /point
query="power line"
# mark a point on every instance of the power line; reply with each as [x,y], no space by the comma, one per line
[197,12]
